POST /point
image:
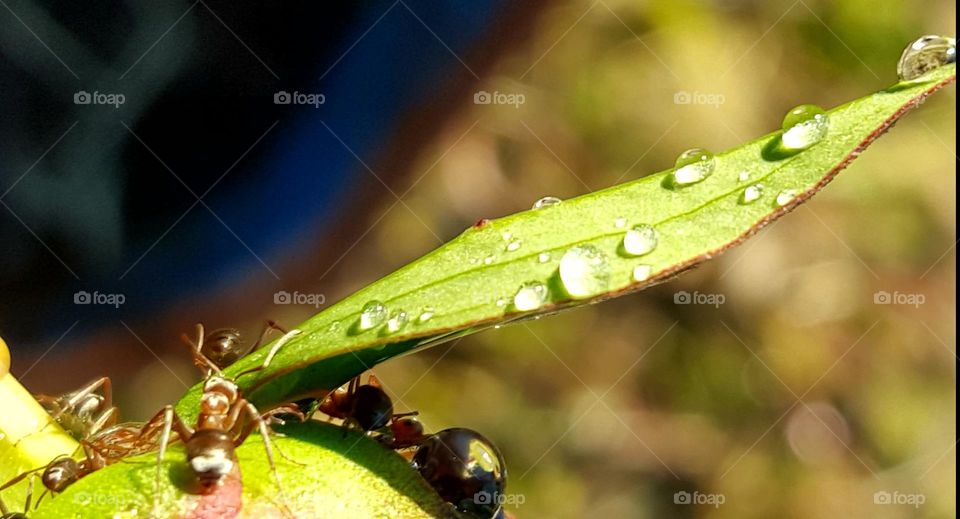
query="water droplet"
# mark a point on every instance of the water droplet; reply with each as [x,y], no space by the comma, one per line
[543,257]
[784,197]
[398,319]
[693,166]
[530,296]
[546,201]
[925,54]
[489,259]
[374,313]
[334,326]
[584,271]
[743,176]
[804,126]
[751,194]
[474,261]
[620,223]
[513,246]
[642,272]
[507,235]
[640,240]
[501,302]
[425,314]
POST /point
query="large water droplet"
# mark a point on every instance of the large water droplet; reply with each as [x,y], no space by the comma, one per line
[693,166]
[640,240]
[543,257]
[751,194]
[804,126]
[642,272]
[546,201]
[584,271]
[425,314]
[925,54]
[374,313]
[398,319]
[784,197]
[530,296]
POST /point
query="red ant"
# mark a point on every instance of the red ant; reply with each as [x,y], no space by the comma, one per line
[210,446]
[84,412]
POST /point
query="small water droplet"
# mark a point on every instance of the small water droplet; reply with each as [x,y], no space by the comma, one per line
[501,302]
[513,246]
[584,271]
[743,176]
[620,223]
[474,261]
[507,235]
[426,314]
[489,259]
[398,319]
[530,296]
[926,53]
[751,194]
[543,257]
[334,326]
[784,197]
[693,166]
[642,272]
[640,240]
[804,126]
[374,313]
[546,201]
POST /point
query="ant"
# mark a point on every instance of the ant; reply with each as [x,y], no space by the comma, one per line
[210,446]
[369,408]
[5,512]
[84,412]
[224,346]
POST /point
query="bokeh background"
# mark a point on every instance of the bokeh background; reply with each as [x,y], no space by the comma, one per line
[802,395]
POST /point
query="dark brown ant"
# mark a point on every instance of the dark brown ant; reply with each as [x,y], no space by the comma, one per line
[368,407]
[465,468]
[210,446]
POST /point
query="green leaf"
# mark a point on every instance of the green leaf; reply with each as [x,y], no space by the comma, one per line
[462,281]
[345,474]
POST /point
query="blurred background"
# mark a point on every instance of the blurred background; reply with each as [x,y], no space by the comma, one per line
[171,163]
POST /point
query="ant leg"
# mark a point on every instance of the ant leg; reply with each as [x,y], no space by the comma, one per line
[106,419]
[273,351]
[170,422]
[265,436]
[74,398]
[269,326]
[372,380]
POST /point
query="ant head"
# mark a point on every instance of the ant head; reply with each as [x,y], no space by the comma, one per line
[60,474]
[223,347]
[406,429]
